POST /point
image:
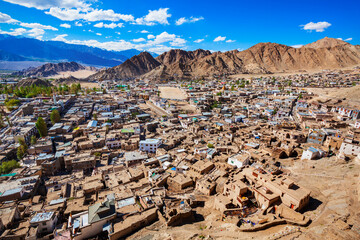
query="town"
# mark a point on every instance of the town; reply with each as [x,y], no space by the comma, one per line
[252,157]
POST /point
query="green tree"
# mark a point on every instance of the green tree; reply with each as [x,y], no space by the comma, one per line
[41,127]
[95,116]
[2,124]
[21,151]
[210,145]
[8,166]
[12,103]
[55,116]
[33,140]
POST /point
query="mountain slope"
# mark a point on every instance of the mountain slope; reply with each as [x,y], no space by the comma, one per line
[261,58]
[6,56]
[133,67]
[53,51]
[50,69]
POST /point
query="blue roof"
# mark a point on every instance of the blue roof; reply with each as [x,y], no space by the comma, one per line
[92,123]
[11,191]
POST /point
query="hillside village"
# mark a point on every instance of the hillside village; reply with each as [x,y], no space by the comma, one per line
[227,154]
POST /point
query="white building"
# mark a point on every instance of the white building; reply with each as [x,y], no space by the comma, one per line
[311,153]
[239,159]
[45,221]
[150,145]
[350,148]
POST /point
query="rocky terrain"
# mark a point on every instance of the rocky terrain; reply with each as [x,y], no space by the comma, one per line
[262,58]
[133,67]
[50,69]
[33,81]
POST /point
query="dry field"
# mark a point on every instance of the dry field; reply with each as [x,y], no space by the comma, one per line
[172,93]
[349,96]
[78,74]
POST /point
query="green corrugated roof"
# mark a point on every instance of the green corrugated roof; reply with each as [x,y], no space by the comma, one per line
[127,130]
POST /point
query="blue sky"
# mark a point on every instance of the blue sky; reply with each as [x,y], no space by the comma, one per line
[160,25]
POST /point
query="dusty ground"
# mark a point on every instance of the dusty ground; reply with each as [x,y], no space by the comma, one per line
[349,96]
[172,93]
[77,74]
[334,208]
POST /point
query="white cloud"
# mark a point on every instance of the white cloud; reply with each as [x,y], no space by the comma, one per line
[150,36]
[183,20]
[348,39]
[154,17]
[78,24]
[178,42]
[65,25]
[89,14]
[139,40]
[297,46]
[318,27]
[99,34]
[36,33]
[199,40]
[60,37]
[144,31]
[4,18]
[219,38]
[159,49]
[46,4]
[166,37]
[118,33]
[230,41]
[14,32]
[110,25]
[38,26]
[111,45]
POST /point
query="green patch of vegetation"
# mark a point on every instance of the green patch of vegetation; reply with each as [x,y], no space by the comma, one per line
[8,166]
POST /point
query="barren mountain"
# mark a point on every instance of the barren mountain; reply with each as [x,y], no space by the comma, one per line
[326,43]
[33,81]
[131,68]
[51,69]
[262,58]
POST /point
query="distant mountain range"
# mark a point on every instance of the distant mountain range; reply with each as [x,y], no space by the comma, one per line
[51,69]
[262,58]
[28,49]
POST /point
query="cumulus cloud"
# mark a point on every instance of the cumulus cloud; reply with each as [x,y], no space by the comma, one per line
[38,26]
[166,37]
[89,14]
[219,39]
[144,31]
[78,24]
[199,40]
[183,20]
[4,18]
[230,41]
[139,40]
[110,25]
[36,33]
[150,36]
[60,37]
[65,25]
[46,4]
[318,27]
[14,32]
[154,17]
